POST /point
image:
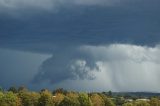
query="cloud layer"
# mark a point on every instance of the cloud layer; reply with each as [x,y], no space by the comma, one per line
[81,36]
[123,65]
[50,4]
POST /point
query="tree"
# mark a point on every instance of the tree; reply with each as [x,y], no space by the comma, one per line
[97,100]
[69,102]
[46,99]
[110,93]
[57,98]
[59,90]
[22,89]
[84,99]
[128,104]
[1,90]
[141,103]
[119,100]
[9,99]
[1,96]
[29,98]
[13,89]
[107,101]
[154,102]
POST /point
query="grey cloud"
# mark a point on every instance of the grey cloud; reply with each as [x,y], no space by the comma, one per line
[136,22]
[122,66]
[61,28]
[49,5]
[66,65]
[126,64]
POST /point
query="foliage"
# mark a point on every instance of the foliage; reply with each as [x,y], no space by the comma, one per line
[141,103]
[59,90]
[119,100]
[60,97]
[107,101]
[1,90]
[128,104]
[69,102]
[84,99]
[9,99]
[29,98]
[13,89]
[154,102]
[46,99]
[57,99]
[97,100]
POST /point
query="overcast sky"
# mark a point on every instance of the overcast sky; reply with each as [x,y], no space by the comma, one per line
[85,45]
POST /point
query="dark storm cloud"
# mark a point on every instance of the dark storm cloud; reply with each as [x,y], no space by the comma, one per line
[70,63]
[131,22]
[60,28]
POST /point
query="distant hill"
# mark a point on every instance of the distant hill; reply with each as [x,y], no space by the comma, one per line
[136,94]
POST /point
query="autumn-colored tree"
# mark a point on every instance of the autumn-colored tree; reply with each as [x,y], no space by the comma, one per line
[69,102]
[46,99]
[57,98]
[107,101]
[97,100]
[128,104]
[154,102]
[84,99]
[29,98]
[141,103]
[9,99]
[59,90]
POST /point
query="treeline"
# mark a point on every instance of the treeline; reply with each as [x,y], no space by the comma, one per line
[151,102]
[61,97]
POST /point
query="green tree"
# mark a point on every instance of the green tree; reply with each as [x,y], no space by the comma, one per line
[22,89]
[1,96]
[59,90]
[154,102]
[97,100]
[141,103]
[119,100]
[9,99]
[29,98]
[128,104]
[1,90]
[13,89]
[107,101]
[69,102]
[110,93]
[84,99]
[46,99]
[57,98]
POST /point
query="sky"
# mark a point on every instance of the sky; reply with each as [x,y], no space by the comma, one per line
[83,45]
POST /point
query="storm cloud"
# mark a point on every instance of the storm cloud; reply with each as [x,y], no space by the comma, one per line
[123,65]
[114,41]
